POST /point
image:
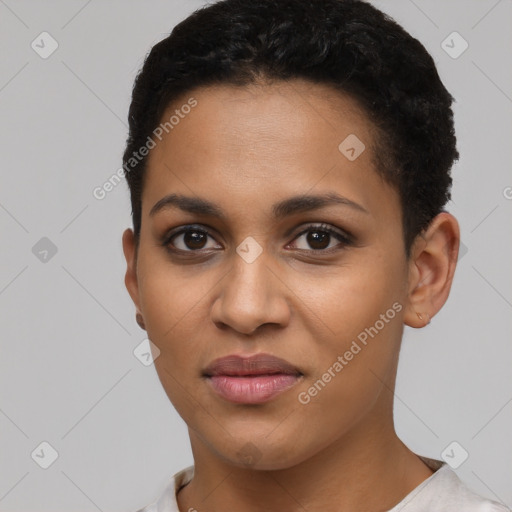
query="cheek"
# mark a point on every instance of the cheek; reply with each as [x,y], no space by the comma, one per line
[351,365]
[359,312]
[350,299]
[170,298]
[173,308]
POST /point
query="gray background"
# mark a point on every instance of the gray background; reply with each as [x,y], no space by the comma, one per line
[68,373]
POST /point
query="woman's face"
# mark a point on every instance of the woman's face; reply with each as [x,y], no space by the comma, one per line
[268,280]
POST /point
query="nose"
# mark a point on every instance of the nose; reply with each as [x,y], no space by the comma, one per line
[251,295]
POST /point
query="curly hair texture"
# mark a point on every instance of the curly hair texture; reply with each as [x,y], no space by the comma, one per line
[347,44]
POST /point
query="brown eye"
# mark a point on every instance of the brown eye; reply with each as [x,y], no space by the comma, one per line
[189,239]
[194,239]
[320,237]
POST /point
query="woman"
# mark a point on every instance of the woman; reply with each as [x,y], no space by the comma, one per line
[288,165]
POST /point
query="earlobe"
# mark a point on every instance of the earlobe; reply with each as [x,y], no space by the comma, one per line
[130,254]
[432,267]
[140,320]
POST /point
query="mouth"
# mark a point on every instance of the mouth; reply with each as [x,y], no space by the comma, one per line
[251,380]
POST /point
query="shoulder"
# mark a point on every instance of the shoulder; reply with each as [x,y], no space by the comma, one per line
[444,491]
[167,501]
[456,494]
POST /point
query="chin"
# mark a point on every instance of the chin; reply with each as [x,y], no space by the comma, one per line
[263,455]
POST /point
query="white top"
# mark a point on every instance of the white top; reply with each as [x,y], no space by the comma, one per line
[443,491]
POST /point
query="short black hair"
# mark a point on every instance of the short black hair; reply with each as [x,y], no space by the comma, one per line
[348,44]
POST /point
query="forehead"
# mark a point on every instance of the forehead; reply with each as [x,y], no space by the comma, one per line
[271,114]
[263,141]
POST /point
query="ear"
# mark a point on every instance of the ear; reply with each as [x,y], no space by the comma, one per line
[431,268]
[130,278]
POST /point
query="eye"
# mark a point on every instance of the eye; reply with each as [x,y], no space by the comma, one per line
[319,238]
[195,239]
[188,239]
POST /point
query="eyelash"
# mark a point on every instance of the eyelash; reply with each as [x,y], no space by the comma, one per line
[345,240]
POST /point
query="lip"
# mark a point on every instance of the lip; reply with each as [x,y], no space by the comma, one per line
[243,365]
[251,379]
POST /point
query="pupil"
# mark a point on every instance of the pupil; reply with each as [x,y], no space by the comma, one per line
[315,236]
[194,239]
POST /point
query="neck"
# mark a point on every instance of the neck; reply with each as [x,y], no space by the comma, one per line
[351,473]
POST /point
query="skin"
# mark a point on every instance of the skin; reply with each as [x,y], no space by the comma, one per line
[246,148]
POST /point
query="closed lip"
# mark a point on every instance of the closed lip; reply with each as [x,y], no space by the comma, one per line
[242,365]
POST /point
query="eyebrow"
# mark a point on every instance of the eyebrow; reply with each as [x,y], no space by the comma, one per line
[290,206]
